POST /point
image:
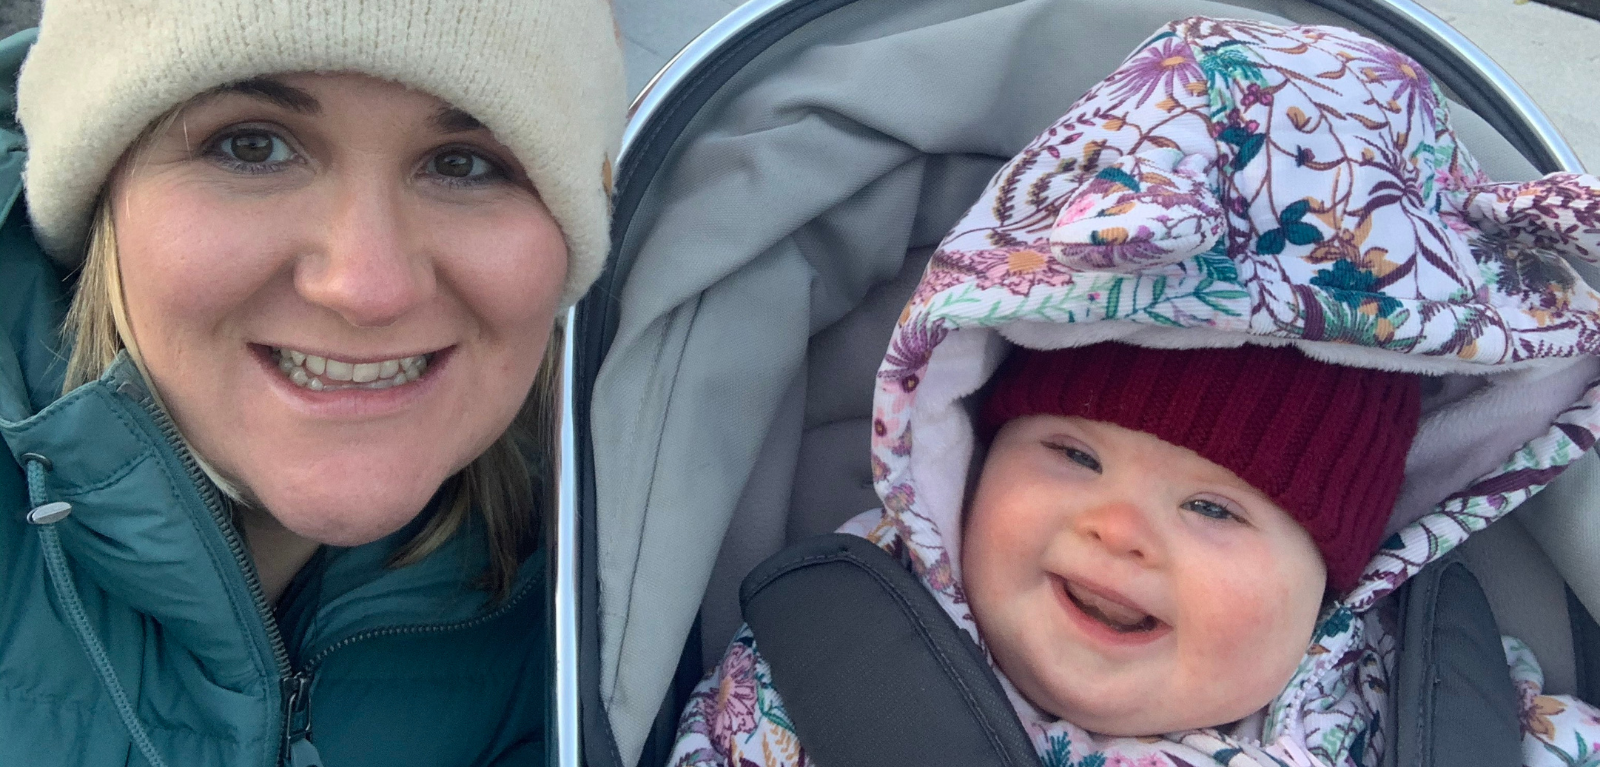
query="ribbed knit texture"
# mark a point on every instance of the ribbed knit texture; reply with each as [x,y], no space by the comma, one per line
[1325,442]
[545,75]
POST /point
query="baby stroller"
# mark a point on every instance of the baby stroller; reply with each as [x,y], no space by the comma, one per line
[782,185]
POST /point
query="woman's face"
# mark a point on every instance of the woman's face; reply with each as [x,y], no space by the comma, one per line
[342,289]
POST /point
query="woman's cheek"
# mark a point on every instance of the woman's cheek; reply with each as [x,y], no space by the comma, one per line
[515,280]
[191,258]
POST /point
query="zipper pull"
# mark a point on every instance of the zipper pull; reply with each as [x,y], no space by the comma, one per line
[303,754]
[298,750]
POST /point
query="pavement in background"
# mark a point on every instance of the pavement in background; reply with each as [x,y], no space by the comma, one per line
[1553,54]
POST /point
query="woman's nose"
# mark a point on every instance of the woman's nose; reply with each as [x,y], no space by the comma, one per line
[1121,527]
[371,264]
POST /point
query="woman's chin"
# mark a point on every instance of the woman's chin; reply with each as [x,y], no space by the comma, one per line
[345,520]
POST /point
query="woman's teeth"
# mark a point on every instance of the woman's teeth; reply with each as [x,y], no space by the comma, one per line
[309,371]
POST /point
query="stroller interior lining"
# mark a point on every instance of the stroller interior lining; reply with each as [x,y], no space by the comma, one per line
[808,193]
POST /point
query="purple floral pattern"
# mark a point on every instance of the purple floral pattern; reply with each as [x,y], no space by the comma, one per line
[1137,213]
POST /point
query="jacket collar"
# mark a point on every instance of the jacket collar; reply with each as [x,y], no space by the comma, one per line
[146,529]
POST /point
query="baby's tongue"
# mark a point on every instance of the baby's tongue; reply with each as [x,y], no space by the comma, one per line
[1115,614]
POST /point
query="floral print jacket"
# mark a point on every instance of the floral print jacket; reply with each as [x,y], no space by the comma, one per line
[1235,181]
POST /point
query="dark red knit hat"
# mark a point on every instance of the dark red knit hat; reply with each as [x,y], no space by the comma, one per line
[1326,442]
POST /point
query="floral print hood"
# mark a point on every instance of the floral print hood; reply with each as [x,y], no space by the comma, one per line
[1236,182]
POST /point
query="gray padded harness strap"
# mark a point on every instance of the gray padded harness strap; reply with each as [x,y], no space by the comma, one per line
[870,668]
[1453,698]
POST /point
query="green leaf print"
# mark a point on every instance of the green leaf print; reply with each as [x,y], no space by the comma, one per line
[1336,623]
[1226,755]
[1113,299]
[1162,319]
[1058,753]
[1352,287]
[1301,233]
[1343,322]
[1271,242]
[1216,265]
[1291,230]
[1227,62]
[1119,176]
[1296,211]
[1246,144]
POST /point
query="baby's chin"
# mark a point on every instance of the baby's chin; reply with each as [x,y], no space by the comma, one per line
[1146,723]
[1140,711]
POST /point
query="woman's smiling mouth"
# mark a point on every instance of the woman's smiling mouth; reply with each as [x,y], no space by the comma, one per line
[317,373]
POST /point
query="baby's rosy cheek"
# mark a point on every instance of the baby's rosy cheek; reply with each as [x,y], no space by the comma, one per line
[1238,619]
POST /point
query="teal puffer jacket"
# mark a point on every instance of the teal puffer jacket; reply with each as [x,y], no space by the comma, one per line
[145,588]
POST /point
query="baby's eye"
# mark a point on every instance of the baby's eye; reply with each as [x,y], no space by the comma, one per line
[459,165]
[253,148]
[1211,510]
[1077,455]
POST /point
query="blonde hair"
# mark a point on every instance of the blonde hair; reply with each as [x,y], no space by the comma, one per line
[504,489]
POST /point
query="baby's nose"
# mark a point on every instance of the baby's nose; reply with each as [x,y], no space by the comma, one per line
[1121,526]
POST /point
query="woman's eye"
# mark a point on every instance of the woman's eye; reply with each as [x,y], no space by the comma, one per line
[255,148]
[461,165]
[1078,456]
[1211,510]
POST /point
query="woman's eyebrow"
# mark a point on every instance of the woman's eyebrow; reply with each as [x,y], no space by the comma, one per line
[453,120]
[274,92]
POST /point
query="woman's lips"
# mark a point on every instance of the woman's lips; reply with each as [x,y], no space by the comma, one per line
[1108,616]
[318,373]
[353,400]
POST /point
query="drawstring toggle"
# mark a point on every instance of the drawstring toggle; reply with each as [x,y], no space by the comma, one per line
[50,513]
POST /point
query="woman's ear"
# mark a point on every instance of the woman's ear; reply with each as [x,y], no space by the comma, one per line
[1143,210]
[1560,212]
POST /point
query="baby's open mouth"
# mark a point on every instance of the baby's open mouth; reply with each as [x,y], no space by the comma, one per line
[308,371]
[1119,617]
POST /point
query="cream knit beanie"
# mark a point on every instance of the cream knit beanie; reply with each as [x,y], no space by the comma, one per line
[544,75]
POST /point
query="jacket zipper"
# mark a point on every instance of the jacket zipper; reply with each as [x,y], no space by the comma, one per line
[310,666]
[297,747]
[294,745]
[241,555]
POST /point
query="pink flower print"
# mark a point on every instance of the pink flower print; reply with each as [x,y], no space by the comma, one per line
[1443,179]
[1253,94]
[1458,223]
[1235,118]
[734,714]
[941,275]
[1144,760]
[1591,715]
[1166,64]
[1077,209]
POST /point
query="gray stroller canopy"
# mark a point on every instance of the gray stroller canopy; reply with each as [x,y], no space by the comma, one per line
[780,189]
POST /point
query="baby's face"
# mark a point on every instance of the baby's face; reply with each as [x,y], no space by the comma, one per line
[1128,585]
